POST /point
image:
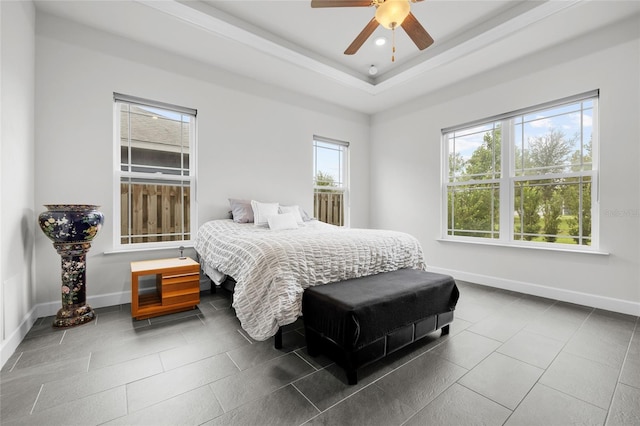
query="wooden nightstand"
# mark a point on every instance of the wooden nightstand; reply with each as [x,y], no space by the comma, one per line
[177,287]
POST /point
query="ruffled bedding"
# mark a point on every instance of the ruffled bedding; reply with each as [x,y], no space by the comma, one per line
[272,268]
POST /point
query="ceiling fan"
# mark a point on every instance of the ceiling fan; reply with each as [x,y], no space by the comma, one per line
[390,14]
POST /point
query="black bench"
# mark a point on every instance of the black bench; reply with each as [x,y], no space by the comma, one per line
[361,320]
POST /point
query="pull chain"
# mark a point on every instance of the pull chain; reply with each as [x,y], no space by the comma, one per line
[393,42]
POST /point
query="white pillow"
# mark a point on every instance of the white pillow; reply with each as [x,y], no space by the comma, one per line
[262,211]
[295,210]
[282,221]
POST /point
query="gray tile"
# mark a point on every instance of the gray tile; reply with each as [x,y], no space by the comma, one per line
[371,406]
[136,348]
[625,408]
[285,406]
[502,379]
[421,380]
[87,383]
[582,378]
[527,309]
[328,386]
[190,408]
[466,349]
[92,410]
[532,348]
[609,327]
[497,299]
[232,392]
[40,342]
[631,369]
[568,312]
[178,316]
[460,406]
[109,337]
[318,362]
[196,351]
[472,312]
[590,346]
[249,356]
[546,406]
[553,328]
[56,353]
[499,327]
[152,390]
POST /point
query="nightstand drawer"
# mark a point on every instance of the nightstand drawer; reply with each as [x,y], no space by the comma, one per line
[190,286]
[173,279]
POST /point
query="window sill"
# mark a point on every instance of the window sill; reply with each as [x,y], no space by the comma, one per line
[186,245]
[525,246]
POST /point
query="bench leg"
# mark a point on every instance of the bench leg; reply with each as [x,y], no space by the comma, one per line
[350,369]
[445,330]
[313,343]
[277,339]
[352,376]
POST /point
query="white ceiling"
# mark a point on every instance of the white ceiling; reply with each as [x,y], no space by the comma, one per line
[288,44]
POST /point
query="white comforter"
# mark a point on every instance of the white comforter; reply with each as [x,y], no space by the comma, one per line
[272,268]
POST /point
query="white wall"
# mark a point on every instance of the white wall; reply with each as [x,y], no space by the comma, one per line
[254,141]
[17,218]
[406,170]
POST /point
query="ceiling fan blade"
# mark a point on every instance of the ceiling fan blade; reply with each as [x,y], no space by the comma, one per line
[362,37]
[416,32]
[340,3]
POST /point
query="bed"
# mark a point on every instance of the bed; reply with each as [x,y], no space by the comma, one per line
[271,268]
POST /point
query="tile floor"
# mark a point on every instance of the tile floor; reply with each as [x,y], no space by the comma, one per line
[510,359]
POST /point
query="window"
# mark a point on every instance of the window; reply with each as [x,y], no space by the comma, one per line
[527,177]
[155,172]
[330,180]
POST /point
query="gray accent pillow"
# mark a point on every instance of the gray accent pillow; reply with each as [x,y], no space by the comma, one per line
[241,210]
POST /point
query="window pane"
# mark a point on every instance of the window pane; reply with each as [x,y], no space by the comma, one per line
[159,211]
[329,179]
[154,140]
[474,210]
[556,140]
[328,206]
[329,164]
[475,153]
[553,210]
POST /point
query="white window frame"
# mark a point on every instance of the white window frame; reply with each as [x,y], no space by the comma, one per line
[343,146]
[118,175]
[508,177]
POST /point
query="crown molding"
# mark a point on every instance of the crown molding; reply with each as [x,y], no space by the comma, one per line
[439,54]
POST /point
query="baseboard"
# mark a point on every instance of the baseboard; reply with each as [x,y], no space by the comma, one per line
[585,299]
[8,347]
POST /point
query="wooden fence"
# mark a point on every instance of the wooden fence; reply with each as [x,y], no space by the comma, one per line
[158,213]
[329,207]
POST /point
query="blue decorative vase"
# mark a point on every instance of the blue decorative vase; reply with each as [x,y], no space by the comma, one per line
[72,227]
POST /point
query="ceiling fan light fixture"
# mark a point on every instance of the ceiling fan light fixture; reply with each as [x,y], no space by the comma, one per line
[392,13]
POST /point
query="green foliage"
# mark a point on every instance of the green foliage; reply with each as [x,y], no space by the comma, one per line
[485,160]
[540,206]
[324,179]
[527,201]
